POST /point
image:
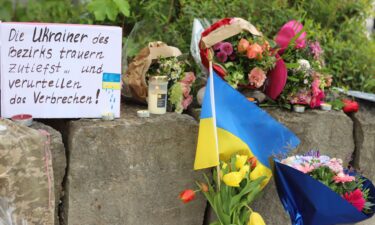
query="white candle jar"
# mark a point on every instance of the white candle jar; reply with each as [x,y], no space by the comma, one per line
[157,94]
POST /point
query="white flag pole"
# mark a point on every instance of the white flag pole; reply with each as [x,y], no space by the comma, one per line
[213,111]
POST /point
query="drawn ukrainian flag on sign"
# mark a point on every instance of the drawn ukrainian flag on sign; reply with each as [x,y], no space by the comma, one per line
[241,127]
[111,81]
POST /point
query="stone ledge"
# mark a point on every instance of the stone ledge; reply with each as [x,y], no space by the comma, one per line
[131,170]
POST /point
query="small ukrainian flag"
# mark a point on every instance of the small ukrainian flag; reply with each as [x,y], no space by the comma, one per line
[111,81]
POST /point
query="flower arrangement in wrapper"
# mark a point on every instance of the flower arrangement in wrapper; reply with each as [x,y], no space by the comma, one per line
[307,77]
[316,190]
[243,56]
[180,81]
[240,182]
[159,59]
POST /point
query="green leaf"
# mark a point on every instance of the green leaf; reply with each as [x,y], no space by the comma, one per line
[293,79]
[98,8]
[103,9]
[123,6]
[6,10]
[112,11]
[215,223]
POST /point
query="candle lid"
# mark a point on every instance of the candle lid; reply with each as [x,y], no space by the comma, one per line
[24,119]
[158,78]
[21,117]
[3,129]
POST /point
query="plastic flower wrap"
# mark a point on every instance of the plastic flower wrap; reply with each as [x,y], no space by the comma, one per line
[231,195]
[243,56]
[316,190]
[180,81]
[307,78]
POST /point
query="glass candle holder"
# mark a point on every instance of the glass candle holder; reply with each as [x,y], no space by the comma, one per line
[157,94]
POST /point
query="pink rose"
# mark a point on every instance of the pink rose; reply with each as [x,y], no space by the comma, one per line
[317,94]
[189,78]
[257,77]
[288,32]
[185,89]
[187,101]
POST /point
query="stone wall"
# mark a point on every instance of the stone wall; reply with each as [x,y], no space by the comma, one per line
[131,170]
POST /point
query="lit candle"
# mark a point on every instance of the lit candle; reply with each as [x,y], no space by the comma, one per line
[108,116]
[3,129]
[24,119]
[299,108]
[143,113]
[326,106]
[157,94]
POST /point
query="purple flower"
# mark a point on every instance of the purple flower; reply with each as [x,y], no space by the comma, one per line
[217,46]
[313,153]
[316,50]
[227,48]
[232,57]
[222,57]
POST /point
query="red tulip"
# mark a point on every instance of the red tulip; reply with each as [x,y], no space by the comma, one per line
[253,162]
[187,195]
[350,106]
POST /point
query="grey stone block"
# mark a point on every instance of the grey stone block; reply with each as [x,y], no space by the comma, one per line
[364,121]
[130,171]
[26,175]
[329,132]
[58,161]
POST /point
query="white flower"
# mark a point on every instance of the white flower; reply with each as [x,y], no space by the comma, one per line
[304,65]
[305,81]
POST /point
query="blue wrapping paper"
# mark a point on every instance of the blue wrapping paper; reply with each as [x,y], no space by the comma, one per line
[310,202]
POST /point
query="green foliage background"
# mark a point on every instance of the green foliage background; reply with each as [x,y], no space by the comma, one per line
[339,25]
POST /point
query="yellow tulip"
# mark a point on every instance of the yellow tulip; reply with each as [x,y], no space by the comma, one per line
[233,179]
[256,219]
[240,161]
[260,171]
[244,170]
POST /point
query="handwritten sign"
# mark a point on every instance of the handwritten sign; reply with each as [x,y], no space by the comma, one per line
[60,71]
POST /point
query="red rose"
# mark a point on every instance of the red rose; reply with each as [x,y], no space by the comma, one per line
[187,195]
[350,106]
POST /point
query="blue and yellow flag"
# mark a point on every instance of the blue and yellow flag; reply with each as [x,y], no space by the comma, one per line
[241,127]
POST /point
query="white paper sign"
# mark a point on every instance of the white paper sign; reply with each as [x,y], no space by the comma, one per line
[60,70]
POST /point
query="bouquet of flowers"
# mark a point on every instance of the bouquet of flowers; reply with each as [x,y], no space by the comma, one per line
[307,78]
[316,190]
[180,81]
[160,59]
[230,196]
[243,56]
